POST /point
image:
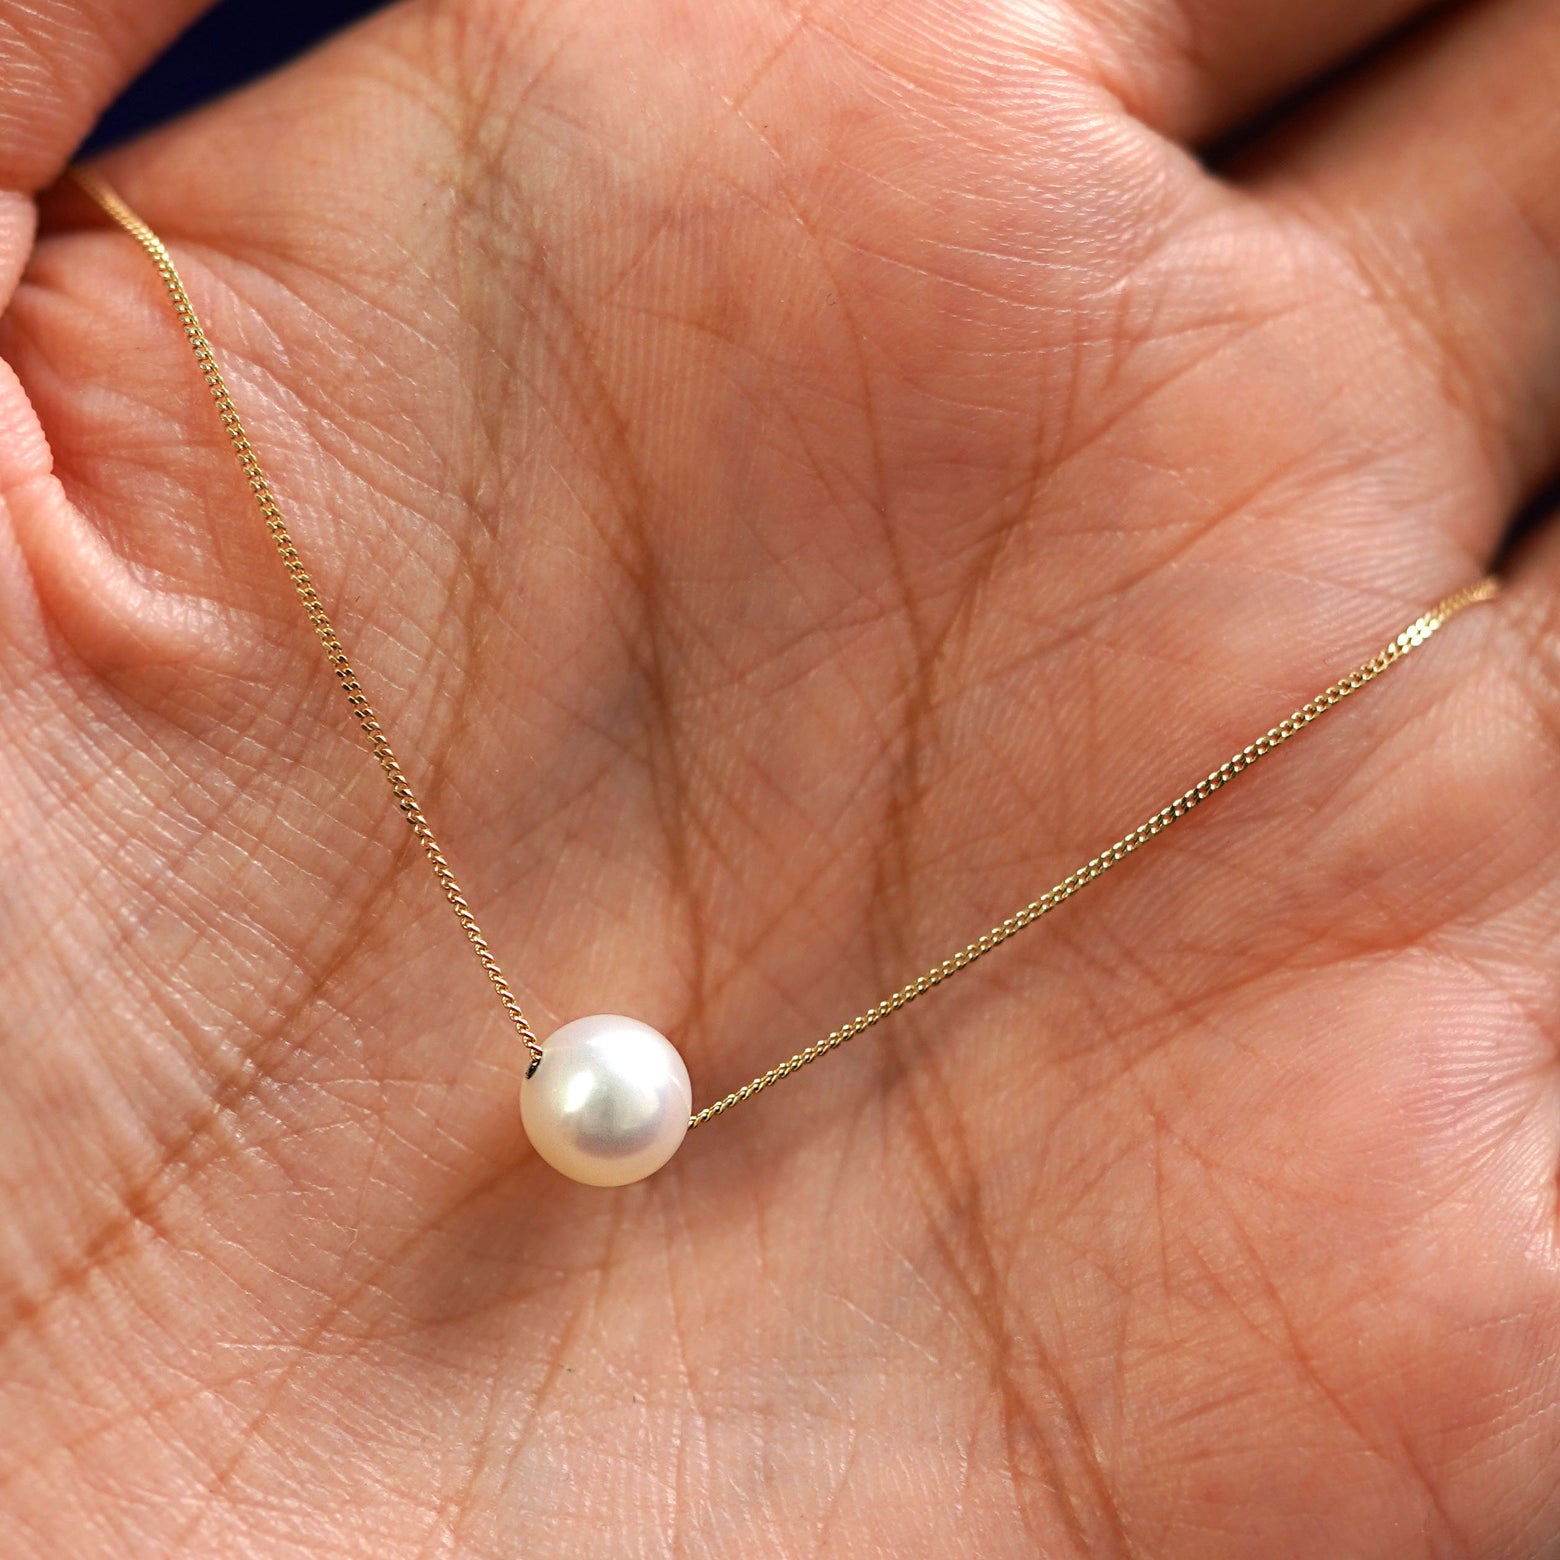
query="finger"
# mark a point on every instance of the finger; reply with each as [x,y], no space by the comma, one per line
[1533,606]
[1192,68]
[1438,176]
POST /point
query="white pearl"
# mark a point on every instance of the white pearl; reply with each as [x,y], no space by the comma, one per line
[609,1101]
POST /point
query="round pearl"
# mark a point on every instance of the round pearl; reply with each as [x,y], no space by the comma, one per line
[609,1100]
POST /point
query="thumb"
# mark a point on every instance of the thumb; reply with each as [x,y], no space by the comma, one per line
[61,63]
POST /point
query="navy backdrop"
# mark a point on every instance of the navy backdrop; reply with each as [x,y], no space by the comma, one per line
[234,41]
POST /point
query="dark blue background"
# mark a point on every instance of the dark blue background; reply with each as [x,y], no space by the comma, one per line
[233,42]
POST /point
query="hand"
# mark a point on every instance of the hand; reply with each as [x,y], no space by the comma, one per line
[797,481]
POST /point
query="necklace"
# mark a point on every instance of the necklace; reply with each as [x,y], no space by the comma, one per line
[606,1100]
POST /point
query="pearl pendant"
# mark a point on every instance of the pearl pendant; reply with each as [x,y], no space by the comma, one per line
[609,1101]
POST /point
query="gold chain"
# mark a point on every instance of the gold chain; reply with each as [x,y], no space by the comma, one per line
[319,619]
[1411,638]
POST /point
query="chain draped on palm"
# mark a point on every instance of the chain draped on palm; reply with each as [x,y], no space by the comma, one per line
[796,479]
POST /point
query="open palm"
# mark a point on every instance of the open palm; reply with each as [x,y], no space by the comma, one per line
[798,479]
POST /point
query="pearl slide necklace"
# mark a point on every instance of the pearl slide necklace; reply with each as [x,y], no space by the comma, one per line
[606,1100]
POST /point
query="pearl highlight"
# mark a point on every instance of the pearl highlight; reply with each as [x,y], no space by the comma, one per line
[608,1102]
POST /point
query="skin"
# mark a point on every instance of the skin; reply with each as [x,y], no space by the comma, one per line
[797,481]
